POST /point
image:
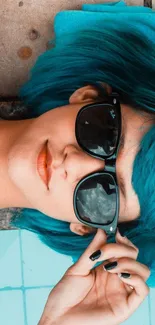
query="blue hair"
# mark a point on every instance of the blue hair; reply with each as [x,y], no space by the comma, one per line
[116,55]
[143,178]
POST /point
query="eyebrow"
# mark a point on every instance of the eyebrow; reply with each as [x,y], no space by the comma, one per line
[122,140]
[121,181]
[122,186]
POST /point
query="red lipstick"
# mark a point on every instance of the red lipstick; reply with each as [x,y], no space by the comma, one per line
[44,164]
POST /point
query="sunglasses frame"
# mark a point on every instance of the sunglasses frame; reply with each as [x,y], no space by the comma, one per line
[110,164]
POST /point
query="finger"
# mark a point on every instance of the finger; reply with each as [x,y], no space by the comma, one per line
[119,238]
[84,264]
[114,250]
[139,292]
[98,251]
[128,265]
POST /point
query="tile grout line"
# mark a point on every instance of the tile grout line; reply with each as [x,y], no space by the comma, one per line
[22,275]
[149,303]
[27,288]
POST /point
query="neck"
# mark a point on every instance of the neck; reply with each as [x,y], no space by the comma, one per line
[10,195]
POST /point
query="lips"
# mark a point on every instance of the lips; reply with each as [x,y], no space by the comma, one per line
[44,164]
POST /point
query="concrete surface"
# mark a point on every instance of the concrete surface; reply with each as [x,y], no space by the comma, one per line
[41,268]
[25,28]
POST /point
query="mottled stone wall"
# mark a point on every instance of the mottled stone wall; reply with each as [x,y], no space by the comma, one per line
[5,216]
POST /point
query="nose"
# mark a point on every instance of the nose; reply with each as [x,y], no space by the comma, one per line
[78,164]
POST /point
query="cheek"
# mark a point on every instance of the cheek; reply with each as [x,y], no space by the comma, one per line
[59,201]
[62,136]
[58,122]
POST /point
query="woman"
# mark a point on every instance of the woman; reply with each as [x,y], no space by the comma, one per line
[86,68]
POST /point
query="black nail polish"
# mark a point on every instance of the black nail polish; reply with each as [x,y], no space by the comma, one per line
[110,266]
[125,275]
[95,255]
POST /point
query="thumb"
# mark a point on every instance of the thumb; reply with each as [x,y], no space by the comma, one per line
[84,264]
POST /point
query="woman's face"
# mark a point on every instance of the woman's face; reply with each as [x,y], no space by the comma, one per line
[69,162]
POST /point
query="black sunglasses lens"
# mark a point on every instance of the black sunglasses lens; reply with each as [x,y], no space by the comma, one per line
[97,129]
[96,199]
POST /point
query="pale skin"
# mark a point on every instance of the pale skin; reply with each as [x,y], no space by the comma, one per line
[20,143]
[85,296]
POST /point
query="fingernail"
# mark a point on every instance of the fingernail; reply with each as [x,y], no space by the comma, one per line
[124,275]
[95,255]
[110,266]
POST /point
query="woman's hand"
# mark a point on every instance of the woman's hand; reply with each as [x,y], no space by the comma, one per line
[85,296]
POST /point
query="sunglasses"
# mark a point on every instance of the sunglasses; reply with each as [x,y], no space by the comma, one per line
[98,132]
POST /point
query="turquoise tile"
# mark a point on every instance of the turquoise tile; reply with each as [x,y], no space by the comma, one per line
[11,308]
[10,264]
[35,302]
[7,238]
[140,316]
[152,306]
[42,266]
